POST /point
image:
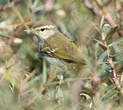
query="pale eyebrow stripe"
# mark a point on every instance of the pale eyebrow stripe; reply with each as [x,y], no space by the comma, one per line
[47,27]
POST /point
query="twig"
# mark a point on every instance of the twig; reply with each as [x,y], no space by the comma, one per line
[101,11]
[19,28]
[110,61]
[108,16]
[116,78]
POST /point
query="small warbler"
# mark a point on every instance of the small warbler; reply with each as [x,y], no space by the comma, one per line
[57,45]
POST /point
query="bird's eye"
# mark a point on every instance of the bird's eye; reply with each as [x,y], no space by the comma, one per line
[42,29]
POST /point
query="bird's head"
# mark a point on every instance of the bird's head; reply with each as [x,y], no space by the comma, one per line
[43,32]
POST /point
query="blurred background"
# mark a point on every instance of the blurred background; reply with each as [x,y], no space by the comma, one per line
[27,82]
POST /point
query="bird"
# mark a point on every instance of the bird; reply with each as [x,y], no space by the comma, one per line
[55,44]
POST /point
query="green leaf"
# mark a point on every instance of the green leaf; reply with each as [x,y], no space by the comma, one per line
[44,71]
[110,33]
[102,22]
[101,44]
[9,77]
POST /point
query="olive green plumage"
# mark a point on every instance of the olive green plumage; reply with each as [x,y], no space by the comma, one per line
[61,47]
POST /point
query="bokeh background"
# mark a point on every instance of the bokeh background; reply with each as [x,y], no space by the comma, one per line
[28,82]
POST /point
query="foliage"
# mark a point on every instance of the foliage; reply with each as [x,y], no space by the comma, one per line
[29,82]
